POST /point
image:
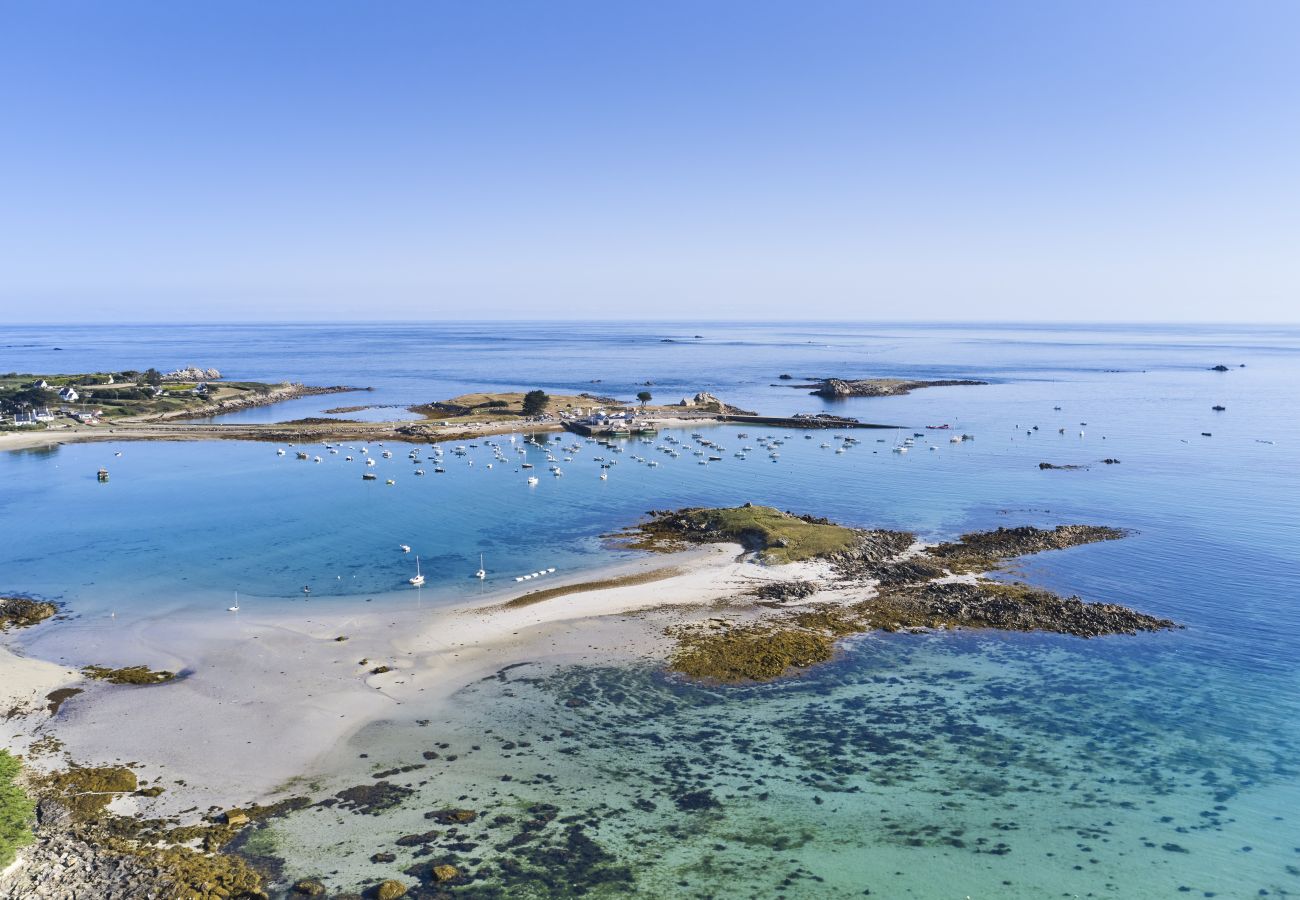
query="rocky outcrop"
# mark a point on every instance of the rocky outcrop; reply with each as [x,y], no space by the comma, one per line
[251,399]
[706,402]
[1007,607]
[907,586]
[839,388]
[193,373]
[20,612]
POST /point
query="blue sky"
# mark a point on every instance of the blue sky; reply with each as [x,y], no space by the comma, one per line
[873,160]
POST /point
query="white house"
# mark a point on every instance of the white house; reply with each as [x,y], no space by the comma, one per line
[68,394]
[42,384]
[43,414]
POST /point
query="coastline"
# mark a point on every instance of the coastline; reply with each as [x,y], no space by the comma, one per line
[249,679]
[297,433]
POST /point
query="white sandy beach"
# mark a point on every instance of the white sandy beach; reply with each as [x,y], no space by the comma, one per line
[267,698]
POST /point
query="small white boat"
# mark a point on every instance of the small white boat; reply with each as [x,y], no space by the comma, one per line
[406,548]
[369,462]
[390,481]
[482,572]
[418,578]
[279,452]
[235,608]
[604,476]
[316,459]
[532,479]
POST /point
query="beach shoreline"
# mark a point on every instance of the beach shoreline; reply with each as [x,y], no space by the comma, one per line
[248,679]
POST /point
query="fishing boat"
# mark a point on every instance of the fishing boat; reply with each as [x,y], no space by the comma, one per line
[418,578]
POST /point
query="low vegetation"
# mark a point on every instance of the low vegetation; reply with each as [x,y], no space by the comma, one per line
[486,406]
[16,811]
[118,395]
[778,537]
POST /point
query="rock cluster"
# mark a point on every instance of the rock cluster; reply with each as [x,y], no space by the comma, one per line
[836,388]
[1008,607]
[21,612]
[193,373]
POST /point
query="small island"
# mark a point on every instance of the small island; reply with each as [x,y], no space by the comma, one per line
[857,580]
[840,388]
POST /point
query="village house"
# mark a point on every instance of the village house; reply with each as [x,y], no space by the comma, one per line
[68,394]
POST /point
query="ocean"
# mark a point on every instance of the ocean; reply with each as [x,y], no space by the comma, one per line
[939,765]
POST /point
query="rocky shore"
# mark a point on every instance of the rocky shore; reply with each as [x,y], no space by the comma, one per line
[276,394]
[878,580]
[840,388]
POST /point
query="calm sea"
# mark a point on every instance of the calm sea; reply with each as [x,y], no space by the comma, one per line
[914,766]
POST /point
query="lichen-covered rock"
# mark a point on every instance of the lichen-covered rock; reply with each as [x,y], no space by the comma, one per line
[309,887]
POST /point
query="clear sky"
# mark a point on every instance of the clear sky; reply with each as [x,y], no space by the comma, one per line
[1035,160]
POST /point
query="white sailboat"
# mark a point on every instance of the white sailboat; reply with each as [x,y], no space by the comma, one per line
[419,578]
[482,572]
[234,608]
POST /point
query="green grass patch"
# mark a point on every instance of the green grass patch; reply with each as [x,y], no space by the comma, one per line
[16,811]
[780,537]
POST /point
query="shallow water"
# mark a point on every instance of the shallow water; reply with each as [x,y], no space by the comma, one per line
[946,765]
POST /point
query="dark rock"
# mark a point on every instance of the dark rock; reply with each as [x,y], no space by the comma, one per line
[1219,368]
[415,840]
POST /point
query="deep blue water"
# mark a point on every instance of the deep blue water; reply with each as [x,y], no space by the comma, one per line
[1216,546]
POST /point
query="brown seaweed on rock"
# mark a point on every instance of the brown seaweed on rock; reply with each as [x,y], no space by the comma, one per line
[980,551]
[20,612]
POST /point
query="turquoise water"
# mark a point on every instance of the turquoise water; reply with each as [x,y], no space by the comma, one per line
[945,765]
